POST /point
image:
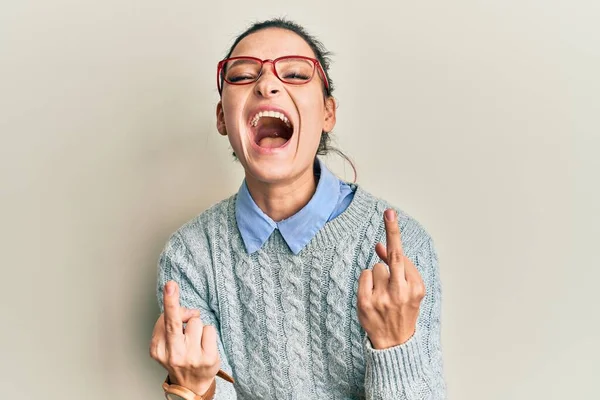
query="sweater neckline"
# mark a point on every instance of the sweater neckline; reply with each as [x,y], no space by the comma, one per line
[351,219]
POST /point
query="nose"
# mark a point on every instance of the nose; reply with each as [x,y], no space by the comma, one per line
[267,85]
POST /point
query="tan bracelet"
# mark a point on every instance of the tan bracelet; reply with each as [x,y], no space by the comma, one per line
[186,393]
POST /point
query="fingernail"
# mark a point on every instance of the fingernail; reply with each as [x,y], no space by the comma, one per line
[169,289]
[390,215]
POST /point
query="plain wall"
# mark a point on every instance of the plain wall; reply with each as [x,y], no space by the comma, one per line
[481,119]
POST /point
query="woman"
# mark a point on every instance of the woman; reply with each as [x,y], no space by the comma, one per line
[286,285]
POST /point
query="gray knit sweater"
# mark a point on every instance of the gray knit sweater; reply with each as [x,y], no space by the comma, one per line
[287,324]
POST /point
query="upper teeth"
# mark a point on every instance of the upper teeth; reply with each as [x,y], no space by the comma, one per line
[273,114]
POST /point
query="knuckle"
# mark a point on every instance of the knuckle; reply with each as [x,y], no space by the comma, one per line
[363,304]
[153,349]
[196,362]
[415,303]
[364,312]
[382,303]
[153,352]
[420,290]
[395,257]
[176,361]
[170,328]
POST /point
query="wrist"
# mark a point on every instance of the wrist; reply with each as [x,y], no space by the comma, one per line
[199,388]
[196,391]
[386,343]
[202,388]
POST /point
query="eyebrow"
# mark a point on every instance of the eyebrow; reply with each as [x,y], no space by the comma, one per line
[241,61]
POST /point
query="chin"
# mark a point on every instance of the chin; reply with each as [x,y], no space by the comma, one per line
[271,170]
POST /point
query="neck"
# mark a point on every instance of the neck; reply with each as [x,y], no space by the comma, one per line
[282,200]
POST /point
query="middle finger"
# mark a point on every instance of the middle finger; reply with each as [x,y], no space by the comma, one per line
[395,254]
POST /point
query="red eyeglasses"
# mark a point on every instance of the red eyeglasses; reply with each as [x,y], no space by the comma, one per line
[295,70]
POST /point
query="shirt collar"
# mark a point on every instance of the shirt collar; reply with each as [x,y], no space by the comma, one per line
[299,229]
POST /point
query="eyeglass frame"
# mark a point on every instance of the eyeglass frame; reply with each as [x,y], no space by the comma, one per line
[317,65]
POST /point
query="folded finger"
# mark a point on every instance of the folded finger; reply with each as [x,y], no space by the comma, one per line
[411,271]
[157,343]
[193,334]
[381,252]
[209,342]
[381,277]
[365,285]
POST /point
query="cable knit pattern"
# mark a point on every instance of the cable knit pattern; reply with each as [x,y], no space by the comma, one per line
[336,340]
[293,326]
[365,255]
[248,289]
[425,259]
[231,312]
[287,323]
[316,344]
[272,323]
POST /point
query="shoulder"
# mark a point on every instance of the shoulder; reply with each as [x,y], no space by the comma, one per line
[198,231]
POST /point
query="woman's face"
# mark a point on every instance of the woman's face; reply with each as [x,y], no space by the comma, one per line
[271,149]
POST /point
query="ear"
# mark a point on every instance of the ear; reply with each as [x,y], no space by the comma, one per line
[330,109]
[221,120]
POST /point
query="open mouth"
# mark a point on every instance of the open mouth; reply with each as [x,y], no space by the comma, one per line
[272,129]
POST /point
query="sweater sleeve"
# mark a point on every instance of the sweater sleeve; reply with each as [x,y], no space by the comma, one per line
[174,264]
[412,370]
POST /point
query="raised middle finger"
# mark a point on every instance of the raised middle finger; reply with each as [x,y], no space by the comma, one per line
[395,254]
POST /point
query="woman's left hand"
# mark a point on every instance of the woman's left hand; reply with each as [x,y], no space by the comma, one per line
[388,302]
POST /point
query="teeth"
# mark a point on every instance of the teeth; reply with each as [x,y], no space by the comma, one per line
[272,114]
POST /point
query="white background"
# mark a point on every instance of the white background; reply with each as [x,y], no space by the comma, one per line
[481,119]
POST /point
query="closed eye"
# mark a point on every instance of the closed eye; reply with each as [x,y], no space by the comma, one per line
[241,78]
[296,76]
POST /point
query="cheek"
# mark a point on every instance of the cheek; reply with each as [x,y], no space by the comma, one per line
[231,111]
[312,112]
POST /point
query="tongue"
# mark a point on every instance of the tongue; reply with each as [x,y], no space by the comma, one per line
[271,137]
[272,142]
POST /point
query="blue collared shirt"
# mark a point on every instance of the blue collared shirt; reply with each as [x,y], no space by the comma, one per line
[331,198]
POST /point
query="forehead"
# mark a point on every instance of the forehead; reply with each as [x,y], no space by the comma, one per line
[271,43]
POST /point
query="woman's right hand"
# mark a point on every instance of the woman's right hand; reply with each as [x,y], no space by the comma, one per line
[190,356]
